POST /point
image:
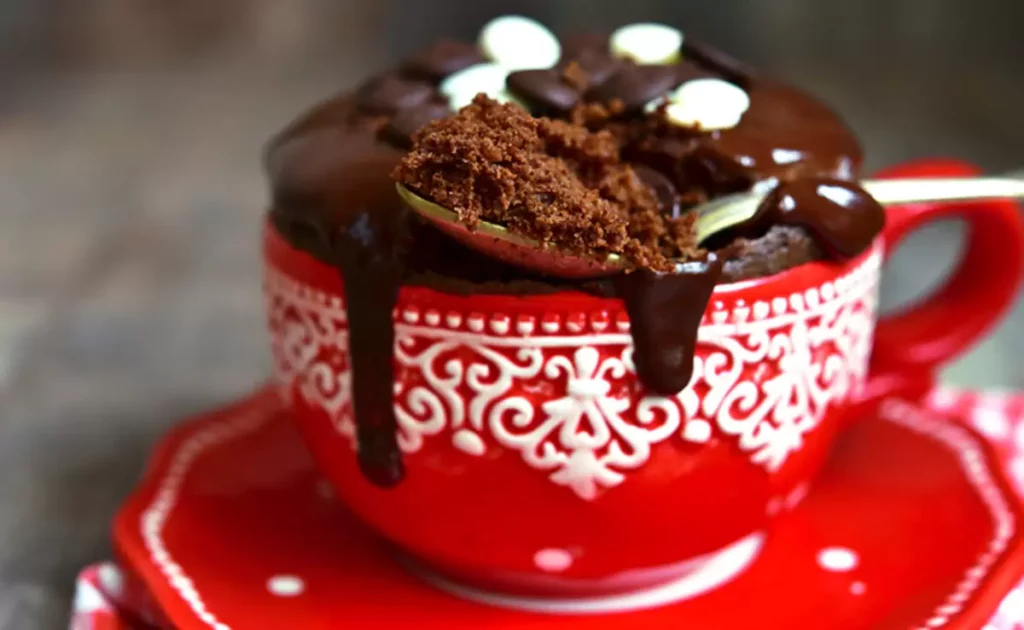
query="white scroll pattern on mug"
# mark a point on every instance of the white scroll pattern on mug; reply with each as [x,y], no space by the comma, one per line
[764,375]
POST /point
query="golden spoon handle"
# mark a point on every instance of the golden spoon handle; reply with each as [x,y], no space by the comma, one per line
[726,212]
[900,191]
[723,213]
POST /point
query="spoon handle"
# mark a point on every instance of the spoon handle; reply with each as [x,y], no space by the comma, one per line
[900,191]
[726,212]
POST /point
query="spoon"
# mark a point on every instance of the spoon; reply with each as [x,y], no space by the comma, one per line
[713,218]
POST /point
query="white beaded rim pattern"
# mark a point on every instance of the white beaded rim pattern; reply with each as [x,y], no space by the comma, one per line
[723,311]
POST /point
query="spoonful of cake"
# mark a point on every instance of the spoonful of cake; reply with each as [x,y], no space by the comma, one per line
[783,204]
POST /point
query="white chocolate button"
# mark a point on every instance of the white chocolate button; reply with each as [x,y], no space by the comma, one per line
[647,43]
[519,43]
[463,86]
[709,104]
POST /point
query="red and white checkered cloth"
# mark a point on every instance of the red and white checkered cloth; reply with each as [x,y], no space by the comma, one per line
[109,598]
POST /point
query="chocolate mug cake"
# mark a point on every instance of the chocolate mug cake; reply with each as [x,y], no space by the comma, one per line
[592,145]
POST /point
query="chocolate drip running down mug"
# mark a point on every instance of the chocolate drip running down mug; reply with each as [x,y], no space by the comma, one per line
[538,468]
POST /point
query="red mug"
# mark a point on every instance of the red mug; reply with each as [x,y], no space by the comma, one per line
[537,467]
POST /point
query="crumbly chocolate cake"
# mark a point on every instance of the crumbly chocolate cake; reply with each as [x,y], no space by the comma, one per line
[599,148]
[551,180]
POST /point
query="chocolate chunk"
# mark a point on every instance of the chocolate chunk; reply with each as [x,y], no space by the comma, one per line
[574,46]
[635,85]
[599,65]
[388,94]
[717,61]
[442,59]
[592,54]
[689,71]
[668,200]
[545,91]
[400,129]
[575,77]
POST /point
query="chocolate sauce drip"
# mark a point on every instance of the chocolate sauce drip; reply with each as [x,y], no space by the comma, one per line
[841,215]
[333,196]
[664,313]
[369,256]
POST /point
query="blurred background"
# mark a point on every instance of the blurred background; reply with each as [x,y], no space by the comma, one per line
[130,197]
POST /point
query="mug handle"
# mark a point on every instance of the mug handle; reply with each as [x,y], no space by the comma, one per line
[913,343]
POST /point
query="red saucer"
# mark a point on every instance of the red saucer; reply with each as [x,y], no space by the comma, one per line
[912,525]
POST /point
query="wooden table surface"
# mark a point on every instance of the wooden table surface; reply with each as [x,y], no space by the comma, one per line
[130,200]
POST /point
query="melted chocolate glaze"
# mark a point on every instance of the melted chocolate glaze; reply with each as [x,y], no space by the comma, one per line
[370,261]
[329,173]
[664,313]
[843,217]
[333,197]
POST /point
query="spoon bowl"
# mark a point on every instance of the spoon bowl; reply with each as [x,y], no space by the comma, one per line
[497,241]
[713,217]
